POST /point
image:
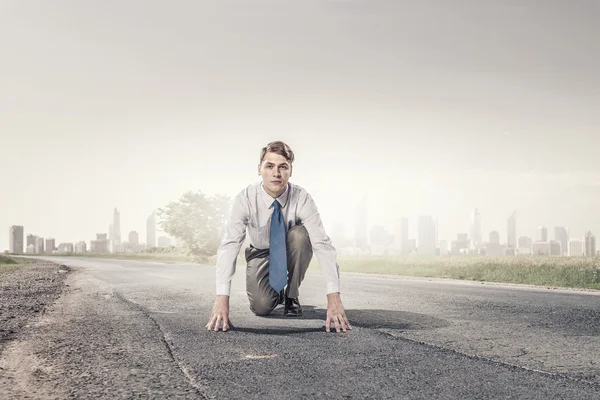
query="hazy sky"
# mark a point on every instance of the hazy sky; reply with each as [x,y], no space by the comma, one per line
[428,106]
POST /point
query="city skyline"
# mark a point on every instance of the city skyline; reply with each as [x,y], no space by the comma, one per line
[370,238]
[396,99]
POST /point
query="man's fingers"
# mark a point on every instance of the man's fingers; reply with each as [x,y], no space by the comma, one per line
[327,324]
[337,324]
[217,323]
[347,322]
[210,322]
[225,324]
[342,322]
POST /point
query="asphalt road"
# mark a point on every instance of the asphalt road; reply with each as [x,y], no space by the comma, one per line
[132,329]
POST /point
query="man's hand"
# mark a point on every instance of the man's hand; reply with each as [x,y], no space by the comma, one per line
[220,314]
[336,313]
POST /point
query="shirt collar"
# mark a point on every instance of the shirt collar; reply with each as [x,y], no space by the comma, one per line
[282,199]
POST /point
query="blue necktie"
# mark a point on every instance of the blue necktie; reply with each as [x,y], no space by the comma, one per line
[277,250]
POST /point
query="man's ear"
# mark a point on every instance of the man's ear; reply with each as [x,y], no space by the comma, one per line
[259,169]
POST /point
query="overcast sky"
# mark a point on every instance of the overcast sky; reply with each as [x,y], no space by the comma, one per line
[433,107]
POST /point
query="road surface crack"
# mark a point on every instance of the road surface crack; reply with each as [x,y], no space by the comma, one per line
[490,360]
[200,388]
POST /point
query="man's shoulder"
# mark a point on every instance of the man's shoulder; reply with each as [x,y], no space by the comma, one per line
[249,190]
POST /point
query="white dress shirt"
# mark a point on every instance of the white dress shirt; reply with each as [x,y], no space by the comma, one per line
[251,213]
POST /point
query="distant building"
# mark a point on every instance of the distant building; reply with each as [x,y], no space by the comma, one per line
[39,245]
[443,247]
[542,234]
[541,248]
[555,248]
[525,242]
[164,241]
[461,245]
[511,240]
[134,238]
[494,237]
[379,240]
[151,231]
[81,247]
[115,232]
[101,244]
[427,235]
[476,228]
[15,239]
[576,248]
[31,240]
[65,248]
[30,249]
[562,235]
[590,244]
[50,245]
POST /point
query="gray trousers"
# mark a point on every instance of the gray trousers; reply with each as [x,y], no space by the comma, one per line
[263,298]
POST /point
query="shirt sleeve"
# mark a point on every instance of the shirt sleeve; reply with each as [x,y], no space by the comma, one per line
[233,237]
[321,243]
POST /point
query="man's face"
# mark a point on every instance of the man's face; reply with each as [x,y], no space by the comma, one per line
[275,171]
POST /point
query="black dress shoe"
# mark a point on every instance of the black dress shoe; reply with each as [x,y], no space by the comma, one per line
[292,307]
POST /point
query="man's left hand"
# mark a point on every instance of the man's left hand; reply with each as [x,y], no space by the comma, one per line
[336,313]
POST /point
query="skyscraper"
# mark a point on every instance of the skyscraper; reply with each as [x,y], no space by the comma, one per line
[494,237]
[427,235]
[542,234]
[116,227]
[576,248]
[590,244]
[15,239]
[39,245]
[134,238]
[151,231]
[50,245]
[511,240]
[561,235]
[476,228]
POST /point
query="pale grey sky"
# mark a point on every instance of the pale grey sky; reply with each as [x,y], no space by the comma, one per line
[430,107]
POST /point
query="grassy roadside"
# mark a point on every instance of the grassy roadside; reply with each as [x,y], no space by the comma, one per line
[568,272]
[9,264]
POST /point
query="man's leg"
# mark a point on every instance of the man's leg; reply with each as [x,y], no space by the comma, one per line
[263,298]
[299,254]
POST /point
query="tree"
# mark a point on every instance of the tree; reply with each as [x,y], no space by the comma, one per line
[197,221]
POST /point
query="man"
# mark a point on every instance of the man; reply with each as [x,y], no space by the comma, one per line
[284,228]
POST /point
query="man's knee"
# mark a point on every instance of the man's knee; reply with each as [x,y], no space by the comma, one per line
[262,307]
[297,236]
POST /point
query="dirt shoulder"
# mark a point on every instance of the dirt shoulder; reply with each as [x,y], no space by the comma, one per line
[25,294]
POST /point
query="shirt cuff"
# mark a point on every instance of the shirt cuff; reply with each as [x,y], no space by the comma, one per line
[333,287]
[224,289]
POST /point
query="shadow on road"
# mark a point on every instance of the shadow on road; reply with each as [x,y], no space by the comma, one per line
[372,319]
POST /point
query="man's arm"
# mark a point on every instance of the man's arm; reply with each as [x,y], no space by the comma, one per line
[321,244]
[326,254]
[233,237]
[235,233]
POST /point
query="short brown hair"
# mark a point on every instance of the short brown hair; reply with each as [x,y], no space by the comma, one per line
[280,148]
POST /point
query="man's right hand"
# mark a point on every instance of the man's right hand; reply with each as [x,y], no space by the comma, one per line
[220,314]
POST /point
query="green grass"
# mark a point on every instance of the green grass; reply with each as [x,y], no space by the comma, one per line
[9,264]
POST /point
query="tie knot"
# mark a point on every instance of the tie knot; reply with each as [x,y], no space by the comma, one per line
[276,205]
